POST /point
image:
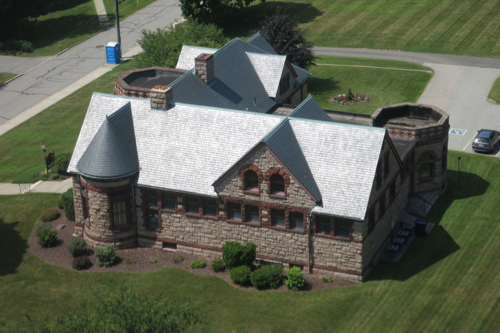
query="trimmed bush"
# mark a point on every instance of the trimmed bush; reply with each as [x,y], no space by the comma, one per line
[326,279]
[267,276]
[60,202]
[47,237]
[76,246]
[50,214]
[234,254]
[61,163]
[153,260]
[294,280]
[81,263]
[178,260]
[240,275]
[198,264]
[68,204]
[129,260]
[218,265]
[106,256]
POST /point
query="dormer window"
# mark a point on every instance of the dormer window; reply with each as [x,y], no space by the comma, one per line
[277,184]
[251,181]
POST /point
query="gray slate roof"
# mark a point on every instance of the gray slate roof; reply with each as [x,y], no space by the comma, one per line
[189,53]
[309,109]
[269,68]
[112,153]
[284,145]
[187,148]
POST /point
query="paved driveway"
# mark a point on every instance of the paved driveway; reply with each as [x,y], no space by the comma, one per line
[57,73]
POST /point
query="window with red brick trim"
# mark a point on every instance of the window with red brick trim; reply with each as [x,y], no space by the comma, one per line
[252,213]
[332,226]
[277,184]
[251,181]
[120,211]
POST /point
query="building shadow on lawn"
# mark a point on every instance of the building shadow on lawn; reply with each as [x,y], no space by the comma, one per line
[436,246]
[247,20]
[12,248]
[318,85]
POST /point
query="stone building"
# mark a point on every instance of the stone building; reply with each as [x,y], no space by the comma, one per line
[308,189]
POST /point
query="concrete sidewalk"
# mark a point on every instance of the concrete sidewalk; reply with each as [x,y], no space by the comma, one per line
[38,187]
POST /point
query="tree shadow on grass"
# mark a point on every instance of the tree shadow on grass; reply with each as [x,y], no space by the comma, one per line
[246,20]
[12,248]
[318,85]
[436,246]
[57,5]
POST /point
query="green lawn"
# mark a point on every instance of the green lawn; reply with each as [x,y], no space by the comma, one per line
[495,92]
[448,281]
[4,77]
[70,22]
[385,85]
[465,27]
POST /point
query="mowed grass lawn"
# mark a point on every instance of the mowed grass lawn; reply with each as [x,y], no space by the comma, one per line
[495,91]
[464,27]
[70,22]
[59,125]
[4,77]
[448,281]
[390,82]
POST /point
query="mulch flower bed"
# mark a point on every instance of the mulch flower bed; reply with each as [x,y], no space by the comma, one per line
[60,256]
[357,99]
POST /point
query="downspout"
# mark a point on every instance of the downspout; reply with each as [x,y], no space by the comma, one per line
[309,238]
[135,216]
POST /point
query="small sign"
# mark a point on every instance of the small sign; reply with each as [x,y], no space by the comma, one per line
[43,146]
[457,131]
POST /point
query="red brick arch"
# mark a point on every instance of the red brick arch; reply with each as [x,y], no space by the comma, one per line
[254,168]
[282,173]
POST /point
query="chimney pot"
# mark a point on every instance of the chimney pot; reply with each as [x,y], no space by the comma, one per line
[204,66]
[160,97]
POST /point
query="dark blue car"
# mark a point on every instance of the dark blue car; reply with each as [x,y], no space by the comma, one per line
[485,140]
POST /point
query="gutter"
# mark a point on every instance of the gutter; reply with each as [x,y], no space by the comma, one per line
[309,238]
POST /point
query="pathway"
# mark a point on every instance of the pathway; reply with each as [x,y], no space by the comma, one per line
[38,187]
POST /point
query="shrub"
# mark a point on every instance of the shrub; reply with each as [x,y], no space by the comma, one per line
[234,254]
[81,263]
[16,45]
[218,265]
[267,276]
[240,275]
[153,260]
[129,260]
[50,214]
[294,280]
[68,204]
[26,46]
[349,95]
[106,256]
[326,279]
[61,163]
[198,264]
[60,202]
[178,260]
[76,246]
[47,237]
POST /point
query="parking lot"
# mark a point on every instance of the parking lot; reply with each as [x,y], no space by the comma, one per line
[462,92]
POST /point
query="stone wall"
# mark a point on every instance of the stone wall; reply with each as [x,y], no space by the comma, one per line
[280,98]
[77,199]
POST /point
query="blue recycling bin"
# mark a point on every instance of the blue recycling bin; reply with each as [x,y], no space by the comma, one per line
[113,54]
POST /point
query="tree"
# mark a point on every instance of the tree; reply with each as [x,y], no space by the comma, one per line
[208,10]
[123,312]
[163,46]
[14,11]
[286,38]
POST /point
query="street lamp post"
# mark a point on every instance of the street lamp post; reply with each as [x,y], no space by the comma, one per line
[459,158]
[118,26]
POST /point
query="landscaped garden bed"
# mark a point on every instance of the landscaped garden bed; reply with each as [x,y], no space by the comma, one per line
[140,260]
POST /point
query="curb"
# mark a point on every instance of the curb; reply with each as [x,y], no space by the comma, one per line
[15,77]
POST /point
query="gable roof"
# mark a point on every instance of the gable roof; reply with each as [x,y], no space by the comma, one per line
[189,53]
[112,153]
[309,109]
[259,41]
[269,69]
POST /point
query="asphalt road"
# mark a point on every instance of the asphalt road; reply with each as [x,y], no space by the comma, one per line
[49,75]
[460,86]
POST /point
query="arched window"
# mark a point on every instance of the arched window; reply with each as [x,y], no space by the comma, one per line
[425,166]
[251,181]
[277,184]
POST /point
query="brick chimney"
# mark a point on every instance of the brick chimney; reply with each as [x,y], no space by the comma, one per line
[204,66]
[160,97]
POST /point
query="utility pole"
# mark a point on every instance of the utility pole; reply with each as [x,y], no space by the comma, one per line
[118,26]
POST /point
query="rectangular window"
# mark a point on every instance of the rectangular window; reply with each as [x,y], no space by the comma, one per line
[392,192]
[152,198]
[252,214]
[192,205]
[296,220]
[278,218]
[323,225]
[119,213]
[386,165]
[153,220]
[168,201]
[371,221]
[378,179]
[381,206]
[210,207]
[86,207]
[234,211]
[342,228]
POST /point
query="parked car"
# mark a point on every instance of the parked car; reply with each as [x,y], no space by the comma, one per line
[486,140]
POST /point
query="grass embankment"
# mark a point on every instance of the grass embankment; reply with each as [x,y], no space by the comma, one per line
[70,22]
[59,125]
[495,92]
[449,280]
[387,84]
[430,26]
[4,77]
